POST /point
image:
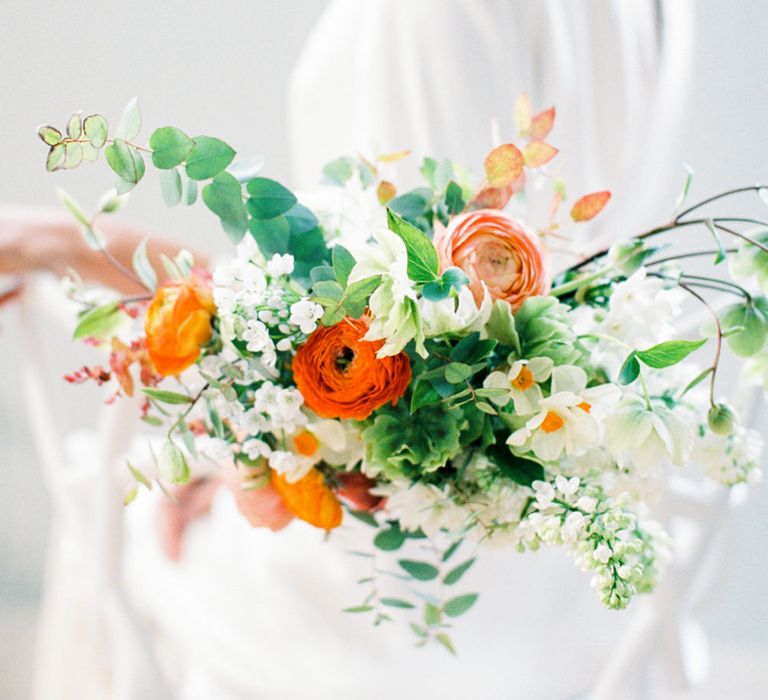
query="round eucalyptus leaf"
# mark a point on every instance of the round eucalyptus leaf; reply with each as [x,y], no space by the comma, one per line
[268,198]
[95,129]
[209,157]
[73,154]
[55,159]
[90,152]
[170,147]
[125,160]
[49,134]
[75,126]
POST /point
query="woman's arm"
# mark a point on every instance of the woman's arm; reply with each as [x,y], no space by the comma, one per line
[34,239]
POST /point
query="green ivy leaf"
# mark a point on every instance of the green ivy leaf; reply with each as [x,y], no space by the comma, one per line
[209,156]
[224,197]
[630,369]
[668,353]
[99,322]
[423,264]
[455,574]
[170,397]
[420,570]
[170,147]
[95,128]
[268,198]
[459,605]
[125,160]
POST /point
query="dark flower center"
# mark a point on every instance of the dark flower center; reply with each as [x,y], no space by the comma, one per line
[344,358]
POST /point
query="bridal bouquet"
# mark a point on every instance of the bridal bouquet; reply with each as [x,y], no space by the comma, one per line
[412,359]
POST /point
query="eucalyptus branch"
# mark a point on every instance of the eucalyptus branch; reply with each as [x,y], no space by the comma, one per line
[722,195]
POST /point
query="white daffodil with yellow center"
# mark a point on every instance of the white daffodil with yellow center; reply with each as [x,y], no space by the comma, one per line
[521,384]
[569,419]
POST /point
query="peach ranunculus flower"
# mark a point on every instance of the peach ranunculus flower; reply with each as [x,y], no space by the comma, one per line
[495,251]
[340,376]
[178,322]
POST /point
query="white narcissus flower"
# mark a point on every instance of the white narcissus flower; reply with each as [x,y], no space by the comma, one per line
[424,506]
[393,307]
[305,314]
[568,419]
[647,437]
[340,443]
[292,466]
[459,314]
[521,383]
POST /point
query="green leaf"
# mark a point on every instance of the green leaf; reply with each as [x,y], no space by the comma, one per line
[170,397]
[170,147]
[90,153]
[486,408]
[170,186]
[452,278]
[358,293]
[50,135]
[364,516]
[340,170]
[697,380]
[73,154]
[753,320]
[268,198]
[454,575]
[459,605]
[720,255]
[301,220]
[630,369]
[139,476]
[272,235]
[668,353]
[343,262]
[224,197]
[390,539]
[246,169]
[209,156]
[411,205]
[95,128]
[448,553]
[443,639]
[75,126]
[424,394]
[130,495]
[188,191]
[143,267]
[519,469]
[501,325]
[396,603]
[55,159]
[172,464]
[454,199]
[125,160]
[358,609]
[129,124]
[74,208]
[99,322]
[419,570]
[457,372]
[423,264]
[111,202]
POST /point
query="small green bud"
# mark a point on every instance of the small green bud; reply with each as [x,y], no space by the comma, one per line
[721,419]
[627,256]
[172,464]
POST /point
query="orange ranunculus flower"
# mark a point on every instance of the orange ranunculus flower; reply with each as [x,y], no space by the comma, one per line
[178,322]
[496,250]
[339,375]
[310,499]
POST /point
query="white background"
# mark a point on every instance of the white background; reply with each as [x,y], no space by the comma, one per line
[221,68]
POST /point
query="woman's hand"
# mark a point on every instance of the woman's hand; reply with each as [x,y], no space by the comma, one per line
[261,507]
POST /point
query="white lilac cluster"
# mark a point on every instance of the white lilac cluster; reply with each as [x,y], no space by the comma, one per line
[259,307]
[600,533]
[730,459]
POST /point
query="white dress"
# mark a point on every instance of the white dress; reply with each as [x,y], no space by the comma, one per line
[253,614]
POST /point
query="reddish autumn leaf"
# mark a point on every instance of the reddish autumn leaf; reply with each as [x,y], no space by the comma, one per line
[496,197]
[589,206]
[310,499]
[537,153]
[385,191]
[521,114]
[503,165]
[542,124]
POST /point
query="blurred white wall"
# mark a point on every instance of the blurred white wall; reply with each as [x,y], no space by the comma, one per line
[221,69]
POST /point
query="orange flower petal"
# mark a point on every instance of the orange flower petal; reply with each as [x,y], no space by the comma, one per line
[310,499]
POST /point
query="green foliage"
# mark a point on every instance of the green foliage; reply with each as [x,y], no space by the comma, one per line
[414,206]
[170,147]
[511,466]
[390,539]
[268,198]
[423,264]
[454,199]
[50,135]
[630,369]
[209,156]
[398,444]
[502,327]
[545,330]
[339,171]
[459,605]
[452,278]
[224,197]
[126,161]
[170,397]
[455,574]
[420,570]
[343,262]
[96,129]
[129,124]
[172,464]
[170,186]
[396,603]
[143,267]
[99,322]
[668,353]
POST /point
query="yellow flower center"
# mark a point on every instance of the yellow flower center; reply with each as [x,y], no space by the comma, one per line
[584,406]
[551,422]
[524,380]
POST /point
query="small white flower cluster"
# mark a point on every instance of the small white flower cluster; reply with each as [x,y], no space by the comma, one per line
[258,306]
[730,459]
[271,409]
[601,534]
